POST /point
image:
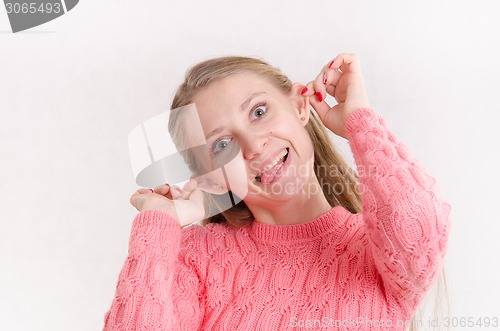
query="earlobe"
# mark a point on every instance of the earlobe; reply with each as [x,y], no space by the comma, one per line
[206,184]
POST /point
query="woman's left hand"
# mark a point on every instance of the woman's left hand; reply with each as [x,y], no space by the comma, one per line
[342,79]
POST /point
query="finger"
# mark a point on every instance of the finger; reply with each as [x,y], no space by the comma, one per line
[319,87]
[143,191]
[310,90]
[331,77]
[163,189]
[330,89]
[134,198]
[332,64]
[175,191]
[188,188]
[190,185]
[197,197]
[346,62]
[318,100]
[321,107]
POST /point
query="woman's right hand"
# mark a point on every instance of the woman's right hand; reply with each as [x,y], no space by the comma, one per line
[185,205]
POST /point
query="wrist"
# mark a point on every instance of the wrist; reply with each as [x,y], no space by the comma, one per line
[359,119]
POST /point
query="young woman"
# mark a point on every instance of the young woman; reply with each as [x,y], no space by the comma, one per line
[312,244]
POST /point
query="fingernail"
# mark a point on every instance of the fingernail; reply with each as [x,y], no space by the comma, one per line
[152,191]
[324,79]
[167,184]
[304,90]
[331,63]
[319,96]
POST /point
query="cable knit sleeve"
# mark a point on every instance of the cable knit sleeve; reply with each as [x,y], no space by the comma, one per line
[145,290]
[407,221]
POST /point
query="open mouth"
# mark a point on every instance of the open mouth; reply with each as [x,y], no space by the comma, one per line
[267,174]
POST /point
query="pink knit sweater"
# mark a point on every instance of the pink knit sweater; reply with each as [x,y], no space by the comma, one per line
[341,271]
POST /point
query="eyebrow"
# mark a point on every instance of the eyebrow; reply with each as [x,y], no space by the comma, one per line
[244,106]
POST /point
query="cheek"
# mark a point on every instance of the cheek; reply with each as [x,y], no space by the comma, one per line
[237,176]
[309,148]
[299,138]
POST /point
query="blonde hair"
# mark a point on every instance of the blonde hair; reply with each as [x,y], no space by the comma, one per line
[343,178]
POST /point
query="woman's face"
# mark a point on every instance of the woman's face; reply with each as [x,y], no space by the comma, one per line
[256,132]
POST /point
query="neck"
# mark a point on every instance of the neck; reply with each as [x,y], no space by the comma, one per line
[296,210]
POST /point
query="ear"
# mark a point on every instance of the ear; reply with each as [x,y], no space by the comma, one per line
[301,103]
[207,184]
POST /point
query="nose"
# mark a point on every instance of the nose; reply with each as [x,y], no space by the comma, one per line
[252,145]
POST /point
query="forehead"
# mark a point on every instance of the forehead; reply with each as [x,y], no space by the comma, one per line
[232,90]
[222,104]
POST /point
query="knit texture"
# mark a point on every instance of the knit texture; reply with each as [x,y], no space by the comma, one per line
[341,271]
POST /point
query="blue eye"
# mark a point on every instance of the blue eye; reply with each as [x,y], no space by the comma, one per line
[259,111]
[219,145]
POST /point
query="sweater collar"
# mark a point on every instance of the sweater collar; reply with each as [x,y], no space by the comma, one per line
[327,222]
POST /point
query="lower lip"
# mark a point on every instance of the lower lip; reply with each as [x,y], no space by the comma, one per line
[282,169]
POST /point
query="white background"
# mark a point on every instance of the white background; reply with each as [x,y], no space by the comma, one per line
[72,89]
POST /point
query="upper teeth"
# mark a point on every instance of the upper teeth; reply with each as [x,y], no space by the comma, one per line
[276,160]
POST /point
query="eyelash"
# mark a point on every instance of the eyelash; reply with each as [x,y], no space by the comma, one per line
[258,105]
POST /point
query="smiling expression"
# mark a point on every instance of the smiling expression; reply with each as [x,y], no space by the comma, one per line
[247,116]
